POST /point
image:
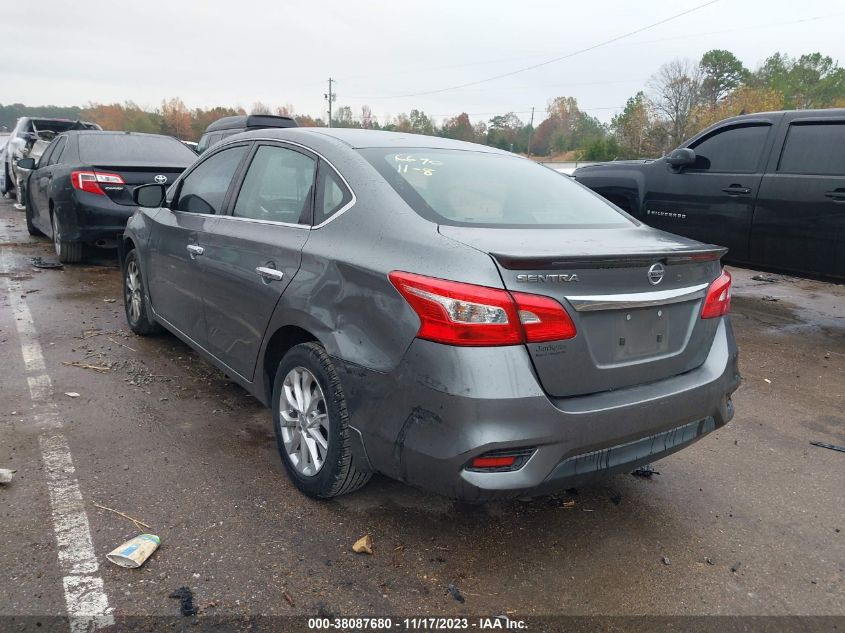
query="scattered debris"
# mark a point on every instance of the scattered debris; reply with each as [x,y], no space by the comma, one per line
[6,475]
[770,298]
[769,278]
[833,447]
[37,262]
[766,380]
[709,561]
[735,567]
[186,606]
[71,394]
[134,552]
[288,598]
[138,524]
[645,471]
[363,545]
[211,604]
[456,593]
[666,560]
[97,368]
[109,300]
[569,504]
[122,345]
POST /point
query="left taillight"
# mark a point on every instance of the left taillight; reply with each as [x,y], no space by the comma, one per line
[455,313]
[90,181]
[718,300]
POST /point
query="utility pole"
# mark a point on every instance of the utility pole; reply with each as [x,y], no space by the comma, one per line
[530,130]
[330,96]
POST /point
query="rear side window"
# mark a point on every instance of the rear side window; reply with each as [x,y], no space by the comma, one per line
[332,194]
[814,148]
[125,149]
[277,187]
[736,149]
[204,189]
[56,152]
[468,188]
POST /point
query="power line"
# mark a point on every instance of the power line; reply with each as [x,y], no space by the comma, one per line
[556,59]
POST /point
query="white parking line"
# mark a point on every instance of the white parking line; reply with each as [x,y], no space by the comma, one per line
[85,598]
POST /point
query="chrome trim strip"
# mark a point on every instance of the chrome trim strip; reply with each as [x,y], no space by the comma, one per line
[590,303]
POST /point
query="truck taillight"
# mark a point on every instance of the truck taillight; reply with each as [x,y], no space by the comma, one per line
[718,300]
[90,181]
[456,313]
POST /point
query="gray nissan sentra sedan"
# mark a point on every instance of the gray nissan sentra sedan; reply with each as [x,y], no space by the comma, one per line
[444,313]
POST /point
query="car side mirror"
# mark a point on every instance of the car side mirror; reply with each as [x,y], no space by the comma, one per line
[681,157]
[151,195]
[26,163]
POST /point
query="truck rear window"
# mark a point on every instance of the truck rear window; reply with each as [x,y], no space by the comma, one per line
[465,188]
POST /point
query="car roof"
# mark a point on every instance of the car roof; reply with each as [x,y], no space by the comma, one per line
[113,133]
[359,139]
[251,120]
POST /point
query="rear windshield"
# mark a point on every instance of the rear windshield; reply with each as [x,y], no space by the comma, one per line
[464,188]
[118,149]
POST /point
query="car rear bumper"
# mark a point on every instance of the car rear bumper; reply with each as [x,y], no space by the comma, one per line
[94,218]
[424,422]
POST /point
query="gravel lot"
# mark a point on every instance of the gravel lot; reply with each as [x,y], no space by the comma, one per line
[749,521]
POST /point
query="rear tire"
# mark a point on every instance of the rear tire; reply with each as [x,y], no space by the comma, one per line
[138,313]
[324,467]
[7,183]
[68,252]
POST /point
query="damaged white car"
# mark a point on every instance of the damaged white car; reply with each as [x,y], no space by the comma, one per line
[29,139]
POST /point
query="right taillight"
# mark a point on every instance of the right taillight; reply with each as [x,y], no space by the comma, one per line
[718,300]
[456,313]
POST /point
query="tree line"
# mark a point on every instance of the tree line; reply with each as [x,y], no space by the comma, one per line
[681,98]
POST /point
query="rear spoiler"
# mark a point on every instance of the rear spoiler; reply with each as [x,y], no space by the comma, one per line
[512,262]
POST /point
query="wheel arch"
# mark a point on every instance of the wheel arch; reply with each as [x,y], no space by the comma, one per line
[278,344]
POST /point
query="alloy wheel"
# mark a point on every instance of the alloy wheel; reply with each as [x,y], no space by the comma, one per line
[304,421]
[133,291]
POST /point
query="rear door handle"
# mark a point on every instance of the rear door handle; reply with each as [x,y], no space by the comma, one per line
[195,251]
[270,274]
[736,190]
[837,195]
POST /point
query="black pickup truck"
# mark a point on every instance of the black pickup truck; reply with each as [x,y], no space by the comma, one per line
[769,186]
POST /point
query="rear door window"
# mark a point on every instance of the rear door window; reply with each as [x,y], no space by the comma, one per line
[278,186]
[56,152]
[814,148]
[204,189]
[736,149]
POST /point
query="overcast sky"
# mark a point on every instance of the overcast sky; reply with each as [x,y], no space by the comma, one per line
[277,52]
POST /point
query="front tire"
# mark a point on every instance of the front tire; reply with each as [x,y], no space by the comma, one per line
[28,214]
[68,252]
[311,422]
[138,313]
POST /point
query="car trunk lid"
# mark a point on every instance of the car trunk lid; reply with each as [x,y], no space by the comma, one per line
[133,176]
[632,328]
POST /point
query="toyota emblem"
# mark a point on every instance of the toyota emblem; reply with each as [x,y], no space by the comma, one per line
[655,273]
[161,179]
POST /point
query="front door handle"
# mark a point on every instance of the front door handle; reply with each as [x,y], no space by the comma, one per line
[195,251]
[837,195]
[736,190]
[270,274]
